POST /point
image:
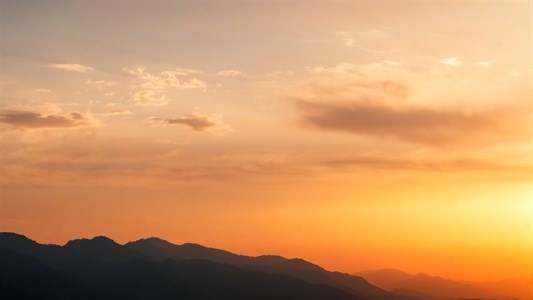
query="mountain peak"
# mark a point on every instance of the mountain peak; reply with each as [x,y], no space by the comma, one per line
[13,235]
[96,241]
[14,239]
[194,246]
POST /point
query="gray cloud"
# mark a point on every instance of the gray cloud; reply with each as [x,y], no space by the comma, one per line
[412,123]
[20,119]
[195,121]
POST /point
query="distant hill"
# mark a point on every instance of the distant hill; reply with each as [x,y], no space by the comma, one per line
[100,268]
[427,287]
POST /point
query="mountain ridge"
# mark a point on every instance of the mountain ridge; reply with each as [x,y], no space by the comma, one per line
[268,277]
[435,287]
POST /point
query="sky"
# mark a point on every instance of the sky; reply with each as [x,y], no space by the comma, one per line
[354,134]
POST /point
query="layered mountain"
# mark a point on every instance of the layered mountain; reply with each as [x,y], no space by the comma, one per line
[158,249]
[100,268]
[427,287]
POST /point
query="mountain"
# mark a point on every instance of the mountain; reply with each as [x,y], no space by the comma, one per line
[158,249]
[512,288]
[100,268]
[427,287]
[202,279]
[102,247]
[83,258]
[24,277]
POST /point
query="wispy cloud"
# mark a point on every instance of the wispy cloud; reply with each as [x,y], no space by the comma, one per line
[229,73]
[484,64]
[346,38]
[101,83]
[118,112]
[72,67]
[149,98]
[44,91]
[23,119]
[451,61]
[150,89]
[166,79]
[195,121]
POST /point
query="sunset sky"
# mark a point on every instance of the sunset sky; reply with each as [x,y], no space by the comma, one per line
[354,134]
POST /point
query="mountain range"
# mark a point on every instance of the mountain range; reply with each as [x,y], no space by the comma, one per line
[426,287]
[100,268]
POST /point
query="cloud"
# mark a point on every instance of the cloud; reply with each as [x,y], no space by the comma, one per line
[118,112]
[150,89]
[430,126]
[484,64]
[149,98]
[362,89]
[196,121]
[44,91]
[165,79]
[346,38]
[101,83]
[230,73]
[22,119]
[451,61]
[72,67]
[386,102]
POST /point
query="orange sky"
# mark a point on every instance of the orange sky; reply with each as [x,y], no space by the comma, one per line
[357,135]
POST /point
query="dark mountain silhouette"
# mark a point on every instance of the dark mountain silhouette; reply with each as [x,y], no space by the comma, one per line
[100,268]
[202,279]
[103,248]
[427,287]
[437,286]
[158,249]
[24,277]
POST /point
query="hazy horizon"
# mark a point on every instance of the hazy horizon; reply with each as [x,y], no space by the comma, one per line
[356,135]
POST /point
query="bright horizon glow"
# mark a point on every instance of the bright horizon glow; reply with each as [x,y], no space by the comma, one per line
[356,135]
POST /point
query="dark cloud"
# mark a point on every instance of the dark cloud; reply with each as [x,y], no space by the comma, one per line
[389,162]
[413,123]
[195,121]
[198,122]
[38,120]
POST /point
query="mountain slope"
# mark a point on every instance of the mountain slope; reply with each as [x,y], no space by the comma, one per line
[158,249]
[24,277]
[439,287]
[201,279]
[99,268]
